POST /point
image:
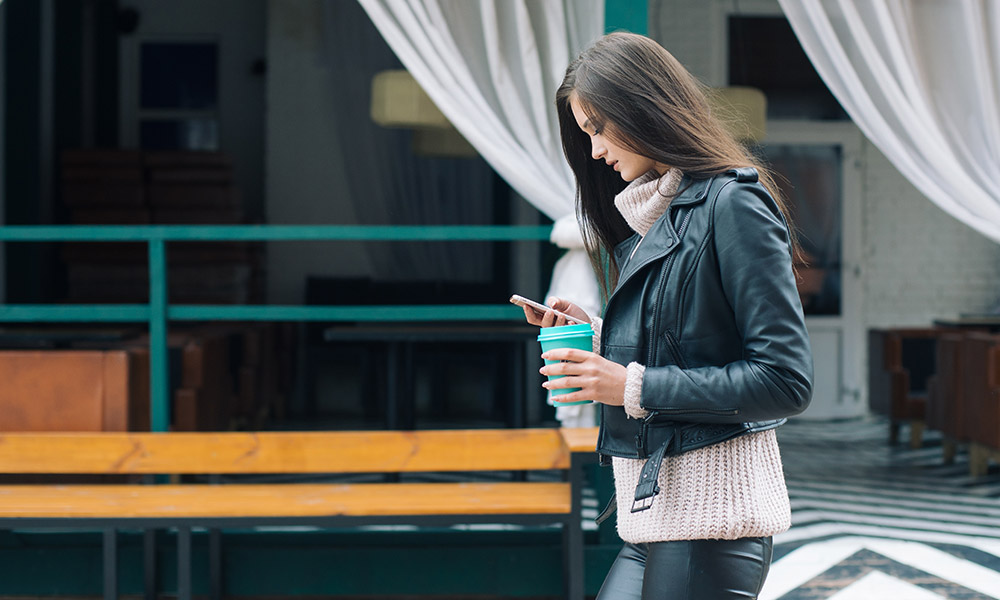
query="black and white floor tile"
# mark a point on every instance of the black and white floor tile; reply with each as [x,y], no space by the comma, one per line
[878,522]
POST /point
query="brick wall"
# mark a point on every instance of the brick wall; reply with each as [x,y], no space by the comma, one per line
[687,29]
[918,262]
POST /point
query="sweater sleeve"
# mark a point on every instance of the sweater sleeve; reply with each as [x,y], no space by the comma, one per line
[596,323]
[633,391]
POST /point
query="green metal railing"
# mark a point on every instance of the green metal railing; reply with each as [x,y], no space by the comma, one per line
[157,312]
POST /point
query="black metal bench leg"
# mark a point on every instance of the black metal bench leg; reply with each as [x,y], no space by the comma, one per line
[183,563]
[110,544]
[573,536]
[573,560]
[149,566]
[215,562]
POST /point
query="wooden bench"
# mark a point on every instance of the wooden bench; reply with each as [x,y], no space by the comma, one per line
[553,496]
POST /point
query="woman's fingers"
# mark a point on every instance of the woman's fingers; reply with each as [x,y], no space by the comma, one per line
[564,368]
[599,379]
[546,319]
[570,354]
[569,308]
[551,320]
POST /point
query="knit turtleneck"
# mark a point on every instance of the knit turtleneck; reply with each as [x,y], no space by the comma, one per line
[646,198]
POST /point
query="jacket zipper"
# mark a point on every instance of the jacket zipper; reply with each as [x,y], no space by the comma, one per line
[657,417]
[675,350]
[659,291]
[699,411]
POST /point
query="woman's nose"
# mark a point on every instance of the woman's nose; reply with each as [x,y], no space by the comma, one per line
[597,149]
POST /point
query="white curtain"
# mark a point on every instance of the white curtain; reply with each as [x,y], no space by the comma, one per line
[492,67]
[921,78]
[384,180]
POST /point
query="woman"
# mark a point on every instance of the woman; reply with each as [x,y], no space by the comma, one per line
[702,351]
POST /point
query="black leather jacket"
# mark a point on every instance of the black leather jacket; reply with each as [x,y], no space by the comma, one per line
[708,304]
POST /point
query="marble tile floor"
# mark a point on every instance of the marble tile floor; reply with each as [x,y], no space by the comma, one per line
[874,522]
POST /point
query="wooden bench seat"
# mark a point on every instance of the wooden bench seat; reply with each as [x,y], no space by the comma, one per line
[479,462]
[287,500]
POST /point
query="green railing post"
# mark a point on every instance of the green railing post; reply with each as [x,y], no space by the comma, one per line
[159,392]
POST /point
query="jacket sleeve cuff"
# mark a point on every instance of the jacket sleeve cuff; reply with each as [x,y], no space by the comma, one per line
[633,391]
[596,323]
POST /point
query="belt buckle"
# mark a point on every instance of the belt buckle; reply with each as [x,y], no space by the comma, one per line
[642,504]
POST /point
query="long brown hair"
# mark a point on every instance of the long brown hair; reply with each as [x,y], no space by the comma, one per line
[645,100]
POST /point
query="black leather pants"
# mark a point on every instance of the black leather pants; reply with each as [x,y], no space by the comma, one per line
[689,570]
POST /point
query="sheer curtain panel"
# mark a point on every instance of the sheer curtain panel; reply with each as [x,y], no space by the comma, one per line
[921,78]
[492,67]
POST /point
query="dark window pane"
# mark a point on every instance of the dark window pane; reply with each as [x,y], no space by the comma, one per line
[764,53]
[179,76]
[814,194]
[178,134]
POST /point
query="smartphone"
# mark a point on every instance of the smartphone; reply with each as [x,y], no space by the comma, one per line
[541,308]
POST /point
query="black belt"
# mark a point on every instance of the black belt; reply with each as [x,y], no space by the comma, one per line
[648,486]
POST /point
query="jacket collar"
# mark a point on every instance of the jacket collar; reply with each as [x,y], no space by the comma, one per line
[693,191]
[661,239]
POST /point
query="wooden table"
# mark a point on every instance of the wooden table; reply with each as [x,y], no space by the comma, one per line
[971,321]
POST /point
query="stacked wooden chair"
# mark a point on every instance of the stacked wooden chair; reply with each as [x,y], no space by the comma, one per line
[900,363]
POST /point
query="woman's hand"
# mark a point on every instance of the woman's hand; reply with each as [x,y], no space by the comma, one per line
[550,318]
[600,379]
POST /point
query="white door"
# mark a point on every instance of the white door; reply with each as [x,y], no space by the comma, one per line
[821,162]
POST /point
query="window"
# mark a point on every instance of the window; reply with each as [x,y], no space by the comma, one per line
[179,96]
[764,53]
[811,183]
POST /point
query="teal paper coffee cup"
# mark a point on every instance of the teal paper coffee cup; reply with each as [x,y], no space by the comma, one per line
[566,336]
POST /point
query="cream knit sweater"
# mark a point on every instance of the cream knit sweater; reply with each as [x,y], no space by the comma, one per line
[726,491]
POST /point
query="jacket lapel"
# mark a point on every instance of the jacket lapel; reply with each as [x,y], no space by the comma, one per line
[661,240]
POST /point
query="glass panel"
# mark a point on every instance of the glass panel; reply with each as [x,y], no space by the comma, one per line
[179,76]
[764,53]
[179,134]
[812,186]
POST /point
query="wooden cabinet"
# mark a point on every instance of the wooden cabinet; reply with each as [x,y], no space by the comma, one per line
[74,390]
